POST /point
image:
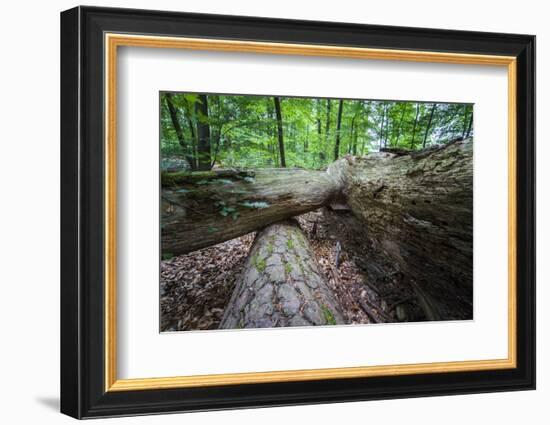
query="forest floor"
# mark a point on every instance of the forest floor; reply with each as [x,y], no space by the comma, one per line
[196,287]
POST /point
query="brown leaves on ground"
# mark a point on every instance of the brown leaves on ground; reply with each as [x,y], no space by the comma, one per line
[195,287]
[363,295]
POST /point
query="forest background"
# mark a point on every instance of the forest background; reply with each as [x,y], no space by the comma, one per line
[212,130]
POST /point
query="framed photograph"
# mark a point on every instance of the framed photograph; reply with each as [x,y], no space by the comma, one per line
[261,212]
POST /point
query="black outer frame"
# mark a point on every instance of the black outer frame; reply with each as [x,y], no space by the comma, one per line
[82,218]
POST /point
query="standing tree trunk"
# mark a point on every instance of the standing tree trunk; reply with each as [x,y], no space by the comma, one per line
[367,128]
[193,156]
[281,284]
[428,127]
[415,124]
[386,131]
[306,140]
[203,132]
[319,128]
[381,131]
[179,131]
[400,125]
[322,154]
[469,131]
[280,130]
[464,121]
[351,133]
[175,120]
[338,126]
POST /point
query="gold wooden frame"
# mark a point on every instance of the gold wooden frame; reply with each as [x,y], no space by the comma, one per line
[113,41]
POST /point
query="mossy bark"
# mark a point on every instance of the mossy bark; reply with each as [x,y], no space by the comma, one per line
[281,284]
[206,208]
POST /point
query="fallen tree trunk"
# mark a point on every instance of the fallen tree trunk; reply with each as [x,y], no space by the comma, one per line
[205,208]
[281,284]
[417,209]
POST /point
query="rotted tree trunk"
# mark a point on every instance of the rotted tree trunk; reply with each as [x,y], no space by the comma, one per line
[201,209]
[281,284]
[417,210]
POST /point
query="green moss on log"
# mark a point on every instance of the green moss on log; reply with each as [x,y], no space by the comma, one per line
[203,177]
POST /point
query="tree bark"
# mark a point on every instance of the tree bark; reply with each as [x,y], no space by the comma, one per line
[327,131]
[352,148]
[319,128]
[429,125]
[175,120]
[280,131]
[417,209]
[469,131]
[381,131]
[281,284]
[386,130]
[399,127]
[205,208]
[338,126]
[203,133]
[174,117]
[367,128]
[464,121]
[415,124]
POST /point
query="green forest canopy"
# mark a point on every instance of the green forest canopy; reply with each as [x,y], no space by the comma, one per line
[265,131]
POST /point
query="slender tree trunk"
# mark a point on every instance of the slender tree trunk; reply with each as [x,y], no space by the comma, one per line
[367,128]
[280,131]
[327,130]
[381,131]
[217,131]
[351,134]
[203,133]
[217,141]
[399,127]
[180,133]
[319,129]
[464,121]
[469,131]
[175,120]
[386,131]
[428,127]
[415,124]
[338,126]
[281,284]
[194,155]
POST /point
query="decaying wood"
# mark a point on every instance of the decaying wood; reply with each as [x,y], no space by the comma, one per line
[281,284]
[428,305]
[374,313]
[206,208]
[418,211]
